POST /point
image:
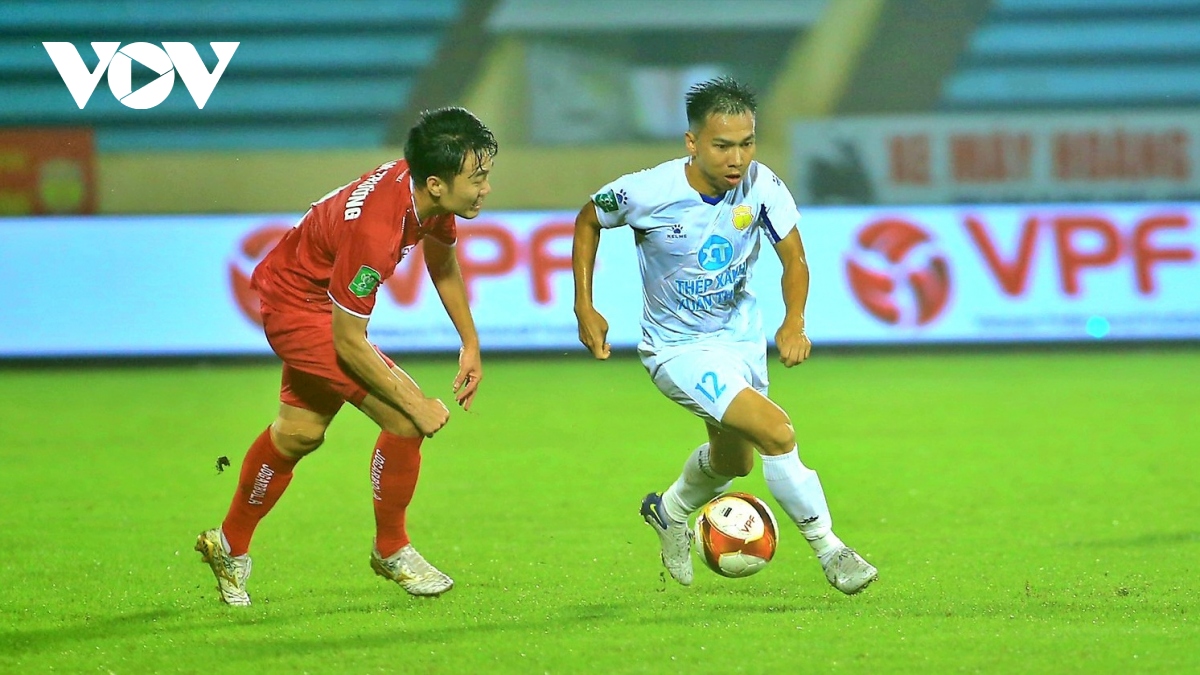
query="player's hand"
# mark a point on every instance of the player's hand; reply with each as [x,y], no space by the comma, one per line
[793,343]
[470,372]
[593,332]
[431,416]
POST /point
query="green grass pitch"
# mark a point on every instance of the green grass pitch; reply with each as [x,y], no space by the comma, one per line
[1028,511]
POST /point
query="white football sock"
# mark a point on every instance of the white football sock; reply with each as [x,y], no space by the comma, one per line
[798,490]
[695,486]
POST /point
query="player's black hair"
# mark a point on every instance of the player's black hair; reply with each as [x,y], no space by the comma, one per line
[438,143]
[718,96]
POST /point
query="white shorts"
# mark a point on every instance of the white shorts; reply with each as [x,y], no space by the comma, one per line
[705,376]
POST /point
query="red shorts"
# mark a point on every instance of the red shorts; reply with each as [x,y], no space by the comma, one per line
[314,378]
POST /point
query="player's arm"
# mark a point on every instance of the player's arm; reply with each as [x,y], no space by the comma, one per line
[446,275]
[352,347]
[793,343]
[593,327]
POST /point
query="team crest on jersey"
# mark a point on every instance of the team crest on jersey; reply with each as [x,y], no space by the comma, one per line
[364,282]
[743,216]
[607,201]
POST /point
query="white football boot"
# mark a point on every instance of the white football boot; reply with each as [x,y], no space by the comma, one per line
[675,539]
[231,571]
[848,572]
[414,574]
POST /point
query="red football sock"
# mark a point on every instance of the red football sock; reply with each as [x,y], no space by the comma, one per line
[395,465]
[265,475]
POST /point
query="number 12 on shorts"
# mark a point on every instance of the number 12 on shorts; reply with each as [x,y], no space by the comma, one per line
[717,388]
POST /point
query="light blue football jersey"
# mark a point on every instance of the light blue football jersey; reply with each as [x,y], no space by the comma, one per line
[697,257]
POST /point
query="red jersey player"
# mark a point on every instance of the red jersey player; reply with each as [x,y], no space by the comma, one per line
[317,289]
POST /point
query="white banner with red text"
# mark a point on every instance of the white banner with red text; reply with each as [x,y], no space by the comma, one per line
[127,286]
[988,158]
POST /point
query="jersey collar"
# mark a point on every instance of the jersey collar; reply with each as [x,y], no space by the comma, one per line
[412,198]
[711,201]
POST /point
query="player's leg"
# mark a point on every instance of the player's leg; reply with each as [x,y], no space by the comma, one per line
[667,513]
[267,470]
[703,381]
[731,455]
[395,468]
[307,405]
[795,486]
[708,472]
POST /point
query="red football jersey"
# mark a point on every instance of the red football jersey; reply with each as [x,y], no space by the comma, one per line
[347,244]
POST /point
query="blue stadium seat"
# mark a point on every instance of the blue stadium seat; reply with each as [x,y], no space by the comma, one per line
[1080,54]
[290,100]
[242,16]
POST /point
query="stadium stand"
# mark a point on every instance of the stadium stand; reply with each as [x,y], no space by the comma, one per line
[1079,54]
[308,73]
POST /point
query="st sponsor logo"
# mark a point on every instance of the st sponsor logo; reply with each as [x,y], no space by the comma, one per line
[715,254]
[171,58]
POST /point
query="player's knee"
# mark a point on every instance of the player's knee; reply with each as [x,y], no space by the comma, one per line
[297,439]
[778,438]
[399,425]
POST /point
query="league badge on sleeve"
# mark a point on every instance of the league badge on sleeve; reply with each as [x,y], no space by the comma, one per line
[364,282]
[606,201]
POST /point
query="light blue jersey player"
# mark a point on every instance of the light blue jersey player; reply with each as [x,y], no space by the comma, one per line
[701,329]
[698,225]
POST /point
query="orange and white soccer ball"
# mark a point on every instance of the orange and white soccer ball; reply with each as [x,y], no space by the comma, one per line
[737,534]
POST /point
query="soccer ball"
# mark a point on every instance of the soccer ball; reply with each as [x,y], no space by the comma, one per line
[737,534]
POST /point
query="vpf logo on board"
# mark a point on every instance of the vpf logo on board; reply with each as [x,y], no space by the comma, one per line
[171,58]
[898,274]
[249,253]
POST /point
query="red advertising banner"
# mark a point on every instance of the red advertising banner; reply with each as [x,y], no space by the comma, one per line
[47,171]
[988,158]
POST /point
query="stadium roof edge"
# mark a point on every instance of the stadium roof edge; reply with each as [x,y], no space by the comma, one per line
[515,16]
